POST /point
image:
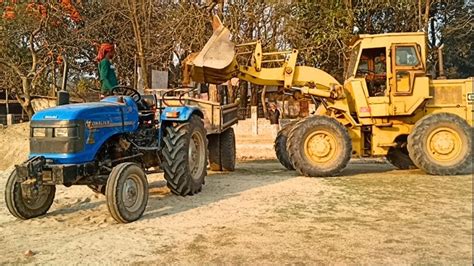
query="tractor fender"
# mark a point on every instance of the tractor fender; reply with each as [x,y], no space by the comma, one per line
[180,113]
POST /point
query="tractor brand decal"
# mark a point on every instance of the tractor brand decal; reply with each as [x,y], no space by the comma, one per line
[364,109]
[470,97]
[102,124]
[99,124]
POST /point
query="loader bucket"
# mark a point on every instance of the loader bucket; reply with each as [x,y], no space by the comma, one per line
[216,62]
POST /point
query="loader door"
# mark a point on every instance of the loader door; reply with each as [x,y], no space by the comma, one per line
[406,66]
[407,70]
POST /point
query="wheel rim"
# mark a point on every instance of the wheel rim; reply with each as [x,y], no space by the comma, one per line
[37,199]
[444,144]
[196,153]
[320,146]
[132,193]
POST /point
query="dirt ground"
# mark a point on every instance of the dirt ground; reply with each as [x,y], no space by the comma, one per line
[259,214]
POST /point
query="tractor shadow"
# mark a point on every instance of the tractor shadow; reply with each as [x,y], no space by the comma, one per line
[219,186]
[224,185]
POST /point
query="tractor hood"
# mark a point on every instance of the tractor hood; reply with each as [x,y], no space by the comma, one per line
[74,133]
[109,108]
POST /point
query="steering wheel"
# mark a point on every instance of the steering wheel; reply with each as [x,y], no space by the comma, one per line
[127,91]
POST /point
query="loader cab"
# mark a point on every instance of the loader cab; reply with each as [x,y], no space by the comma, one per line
[383,72]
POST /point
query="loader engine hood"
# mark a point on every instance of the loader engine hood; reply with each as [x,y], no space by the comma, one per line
[74,133]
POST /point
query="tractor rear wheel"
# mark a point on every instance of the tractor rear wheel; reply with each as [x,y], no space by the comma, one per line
[440,144]
[27,205]
[398,156]
[126,192]
[280,146]
[185,156]
[319,146]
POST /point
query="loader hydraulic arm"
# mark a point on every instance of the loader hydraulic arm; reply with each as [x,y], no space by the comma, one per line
[220,60]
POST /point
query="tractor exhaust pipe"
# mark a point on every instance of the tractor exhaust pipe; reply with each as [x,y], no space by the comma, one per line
[63,94]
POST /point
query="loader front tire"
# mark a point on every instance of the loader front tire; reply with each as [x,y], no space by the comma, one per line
[24,207]
[319,146]
[440,144]
[126,192]
[280,146]
[185,156]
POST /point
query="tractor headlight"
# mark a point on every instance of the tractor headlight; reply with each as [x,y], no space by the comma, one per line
[61,132]
[39,132]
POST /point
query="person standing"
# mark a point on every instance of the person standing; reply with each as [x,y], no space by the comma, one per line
[107,76]
[274,115]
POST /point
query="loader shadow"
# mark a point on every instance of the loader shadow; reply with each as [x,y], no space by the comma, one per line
[219,186]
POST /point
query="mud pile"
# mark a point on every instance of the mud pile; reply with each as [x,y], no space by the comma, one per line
[14,145]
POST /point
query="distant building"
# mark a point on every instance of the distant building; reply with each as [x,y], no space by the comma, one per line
[10,105]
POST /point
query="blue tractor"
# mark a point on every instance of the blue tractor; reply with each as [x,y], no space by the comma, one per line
[109,146]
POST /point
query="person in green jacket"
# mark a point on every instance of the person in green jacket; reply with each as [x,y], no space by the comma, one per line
[107,76]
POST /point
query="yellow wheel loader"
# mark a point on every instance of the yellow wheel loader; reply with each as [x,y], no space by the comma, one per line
[388,105]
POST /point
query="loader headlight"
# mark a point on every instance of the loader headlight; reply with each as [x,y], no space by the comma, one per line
[39,132]
[61,132]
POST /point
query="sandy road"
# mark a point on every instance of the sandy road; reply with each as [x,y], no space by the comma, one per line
[260,214]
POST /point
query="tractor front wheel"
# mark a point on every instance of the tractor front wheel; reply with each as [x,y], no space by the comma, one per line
[440,144]
[185,156]
[319,146]
[126,192]
[27,204]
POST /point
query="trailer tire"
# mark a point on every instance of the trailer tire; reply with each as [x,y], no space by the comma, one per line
[319,146]
[280,146]
[398,156]
[440,144]
[227,150]
[185,174]
[214,148]
[126,192]
[23,208]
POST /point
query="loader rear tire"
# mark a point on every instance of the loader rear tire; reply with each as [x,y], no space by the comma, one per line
[440,144]
[280,146]
[319,146]
[126,192]
[185,156]
[27,208]
[398,156]
[227,150]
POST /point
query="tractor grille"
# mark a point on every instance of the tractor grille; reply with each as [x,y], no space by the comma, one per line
[51,142]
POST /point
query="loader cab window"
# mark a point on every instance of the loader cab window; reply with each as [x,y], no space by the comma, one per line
[406,56]
[373,67]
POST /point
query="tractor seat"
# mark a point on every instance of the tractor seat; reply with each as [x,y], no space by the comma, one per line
[149,100]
